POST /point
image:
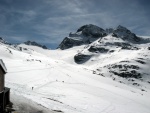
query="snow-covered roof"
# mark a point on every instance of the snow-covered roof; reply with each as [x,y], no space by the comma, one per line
[3,65]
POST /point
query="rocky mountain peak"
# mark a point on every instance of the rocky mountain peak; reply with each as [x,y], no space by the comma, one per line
[126,34]
[121,27]
[92,30]
[87,34]
[68,43]
[35,44]
[89,26]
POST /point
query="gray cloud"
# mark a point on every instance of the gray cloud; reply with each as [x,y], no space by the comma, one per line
[49,21]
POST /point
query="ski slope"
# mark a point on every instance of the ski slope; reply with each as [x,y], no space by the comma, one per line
[51,81]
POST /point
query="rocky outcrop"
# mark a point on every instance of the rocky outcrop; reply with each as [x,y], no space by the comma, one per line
[123,45]
[92,31]
[69,42]
[98,49]
[125,70]
[35,44]
[81,58]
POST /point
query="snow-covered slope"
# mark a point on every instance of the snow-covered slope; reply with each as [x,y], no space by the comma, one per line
[91,78]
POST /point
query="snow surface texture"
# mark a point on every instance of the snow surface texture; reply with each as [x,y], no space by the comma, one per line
[53,81]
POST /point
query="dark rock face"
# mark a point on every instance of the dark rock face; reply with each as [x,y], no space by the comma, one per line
[124,67]
[84,35]
[92,30]
[130,74]
[35,44]
[98,49]
[123,45]
[81,58]
[126,34]
[125,70]
[111,51]
[44,47]
[115,35]
[68,43]
[140,61]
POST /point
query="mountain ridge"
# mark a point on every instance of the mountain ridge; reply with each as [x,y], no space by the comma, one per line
[33,43]
[109,43]
[87,34]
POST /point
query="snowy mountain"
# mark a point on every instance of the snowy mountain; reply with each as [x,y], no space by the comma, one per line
[16,46]
[94,71]
[119,43]
[90,33]
[130,57]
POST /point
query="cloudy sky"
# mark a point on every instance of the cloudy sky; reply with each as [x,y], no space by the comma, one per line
[49,21]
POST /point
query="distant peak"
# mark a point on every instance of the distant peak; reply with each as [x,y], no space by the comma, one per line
[35,44]
[88,26]
[91,30]
[29,42]
[121,27]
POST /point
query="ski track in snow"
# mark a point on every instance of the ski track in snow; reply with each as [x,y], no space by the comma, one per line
[60,84]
